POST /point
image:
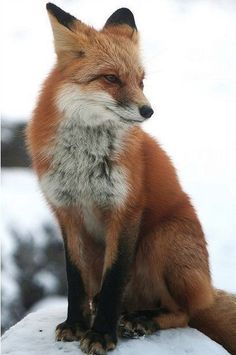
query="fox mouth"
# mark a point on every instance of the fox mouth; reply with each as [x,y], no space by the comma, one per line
[124,119]
[127,120]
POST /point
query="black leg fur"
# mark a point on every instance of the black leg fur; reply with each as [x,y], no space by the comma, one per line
[103,334]
[76,323]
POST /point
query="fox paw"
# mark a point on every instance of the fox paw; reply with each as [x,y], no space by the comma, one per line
[137,324]
[95,343]
[69,332]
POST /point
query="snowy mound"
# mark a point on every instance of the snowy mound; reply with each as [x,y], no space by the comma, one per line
[35,335]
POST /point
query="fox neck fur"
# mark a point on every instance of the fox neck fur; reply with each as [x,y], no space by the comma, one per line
[83,165]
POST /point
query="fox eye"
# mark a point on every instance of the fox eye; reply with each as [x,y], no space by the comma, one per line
[112,79]
[141,84]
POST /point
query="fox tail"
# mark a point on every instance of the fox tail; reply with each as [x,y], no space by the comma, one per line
[219,320]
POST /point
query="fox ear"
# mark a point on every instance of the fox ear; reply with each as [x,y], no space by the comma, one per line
[122,16]
[122,23]
[64,18]
[70,34]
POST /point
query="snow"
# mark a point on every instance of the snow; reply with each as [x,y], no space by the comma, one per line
[23,210]
[34,335]
[24,215]
[46,280]
[23,201]
[50,303]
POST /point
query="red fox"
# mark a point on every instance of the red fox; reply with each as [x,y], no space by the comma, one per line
[136,256]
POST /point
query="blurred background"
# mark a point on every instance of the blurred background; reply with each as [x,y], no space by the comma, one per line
[189,51]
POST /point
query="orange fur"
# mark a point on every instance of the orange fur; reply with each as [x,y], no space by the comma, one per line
[172,320]
[219,320]
[170,264]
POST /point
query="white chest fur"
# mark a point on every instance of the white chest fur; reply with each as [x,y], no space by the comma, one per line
[82,172]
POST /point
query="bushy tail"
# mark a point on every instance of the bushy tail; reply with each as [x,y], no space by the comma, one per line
[219,321]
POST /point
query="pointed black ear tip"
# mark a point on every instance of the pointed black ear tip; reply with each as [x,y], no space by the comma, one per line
[64,18]
[124,11]
[122,16]
[51,7]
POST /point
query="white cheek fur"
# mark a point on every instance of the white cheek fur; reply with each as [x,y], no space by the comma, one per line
[88,108]
[94,108]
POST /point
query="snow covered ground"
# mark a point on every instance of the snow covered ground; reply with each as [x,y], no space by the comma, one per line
[34,335]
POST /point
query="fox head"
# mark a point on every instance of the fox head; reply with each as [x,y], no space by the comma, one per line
[102,75]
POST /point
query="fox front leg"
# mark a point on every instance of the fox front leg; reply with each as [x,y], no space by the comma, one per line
[76,323]
[103,335]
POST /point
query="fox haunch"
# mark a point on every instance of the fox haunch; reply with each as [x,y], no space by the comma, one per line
[134,245]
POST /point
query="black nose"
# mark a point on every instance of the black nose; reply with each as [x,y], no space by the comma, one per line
[146,111]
